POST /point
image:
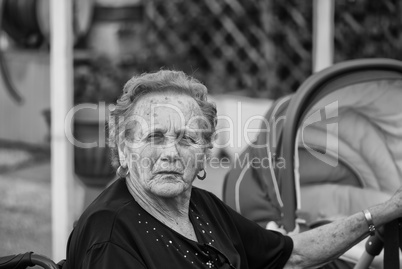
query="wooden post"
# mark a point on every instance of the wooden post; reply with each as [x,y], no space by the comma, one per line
[323,34]
[61,85]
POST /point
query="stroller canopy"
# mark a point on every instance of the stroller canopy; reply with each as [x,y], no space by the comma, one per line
[332,148]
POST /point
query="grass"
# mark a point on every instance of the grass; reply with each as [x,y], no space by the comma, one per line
[14,156]
[25,204]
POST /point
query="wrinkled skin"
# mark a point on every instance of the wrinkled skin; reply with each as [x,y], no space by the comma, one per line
[163,149]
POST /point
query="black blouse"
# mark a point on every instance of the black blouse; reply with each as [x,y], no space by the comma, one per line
[116,232]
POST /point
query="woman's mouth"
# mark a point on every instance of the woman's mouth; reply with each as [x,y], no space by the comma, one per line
[170,173]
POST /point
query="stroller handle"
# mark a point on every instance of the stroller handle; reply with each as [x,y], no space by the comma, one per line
[323,82]
[28,259]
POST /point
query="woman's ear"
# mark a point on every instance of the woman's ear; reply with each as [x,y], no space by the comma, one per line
[122,154]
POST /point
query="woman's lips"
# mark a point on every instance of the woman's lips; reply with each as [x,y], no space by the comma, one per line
[170,172]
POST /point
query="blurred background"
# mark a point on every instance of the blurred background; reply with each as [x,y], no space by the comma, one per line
[243,50]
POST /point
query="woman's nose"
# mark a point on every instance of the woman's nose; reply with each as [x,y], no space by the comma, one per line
[170,152]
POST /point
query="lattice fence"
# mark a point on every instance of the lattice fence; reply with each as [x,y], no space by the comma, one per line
[366,28]
[263,48]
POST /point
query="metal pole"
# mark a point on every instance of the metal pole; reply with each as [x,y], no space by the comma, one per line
[61,102]
[323,34]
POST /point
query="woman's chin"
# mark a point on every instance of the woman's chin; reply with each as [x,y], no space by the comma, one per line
[168,192]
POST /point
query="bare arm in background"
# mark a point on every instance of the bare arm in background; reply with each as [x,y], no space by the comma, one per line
[325,243]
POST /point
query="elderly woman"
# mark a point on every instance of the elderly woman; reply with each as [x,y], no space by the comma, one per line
[152,217]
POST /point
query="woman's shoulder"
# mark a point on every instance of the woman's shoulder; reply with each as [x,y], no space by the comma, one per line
[103,212]
[198,193]
[97,224]
[208,201]
[111,200]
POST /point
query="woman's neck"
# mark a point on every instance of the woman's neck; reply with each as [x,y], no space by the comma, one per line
[172,212]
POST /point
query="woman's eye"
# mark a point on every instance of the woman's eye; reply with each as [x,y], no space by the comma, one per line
[188,140]
[155,138]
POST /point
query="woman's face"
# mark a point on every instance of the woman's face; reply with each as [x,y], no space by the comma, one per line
[163,145]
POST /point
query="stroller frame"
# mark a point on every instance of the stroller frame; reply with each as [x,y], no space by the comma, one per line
[295,108]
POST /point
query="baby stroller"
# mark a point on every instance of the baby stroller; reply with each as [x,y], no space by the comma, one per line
[331,149]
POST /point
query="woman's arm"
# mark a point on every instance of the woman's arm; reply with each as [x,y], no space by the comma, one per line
[318,246]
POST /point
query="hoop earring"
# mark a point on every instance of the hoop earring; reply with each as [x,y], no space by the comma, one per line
[203,176]
[121,172]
